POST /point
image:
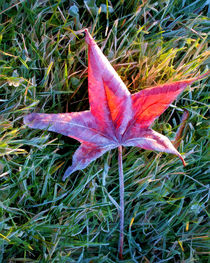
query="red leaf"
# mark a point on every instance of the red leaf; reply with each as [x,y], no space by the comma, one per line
[149,140]
[84,155]
[116,117]
[150,103]
[81,126]
[110,100]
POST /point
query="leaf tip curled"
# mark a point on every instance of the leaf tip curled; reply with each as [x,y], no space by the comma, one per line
[182,159]
[68,172]
[64,178]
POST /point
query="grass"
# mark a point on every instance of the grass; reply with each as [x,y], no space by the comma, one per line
[43,68]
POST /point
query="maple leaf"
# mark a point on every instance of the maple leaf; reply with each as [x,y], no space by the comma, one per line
[115,119]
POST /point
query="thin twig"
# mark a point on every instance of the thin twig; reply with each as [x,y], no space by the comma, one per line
[179,133]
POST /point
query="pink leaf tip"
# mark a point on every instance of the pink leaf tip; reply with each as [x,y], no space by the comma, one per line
[88,38]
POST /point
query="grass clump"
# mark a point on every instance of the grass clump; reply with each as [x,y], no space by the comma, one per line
[43,68]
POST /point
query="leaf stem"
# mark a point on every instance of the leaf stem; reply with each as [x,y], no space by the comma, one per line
[121,181]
